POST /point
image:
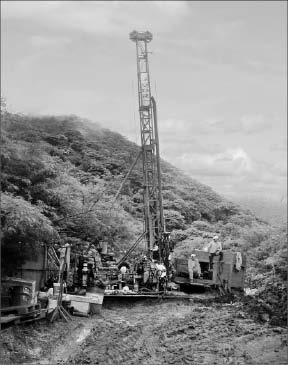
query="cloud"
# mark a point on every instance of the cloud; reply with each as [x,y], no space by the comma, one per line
[246,124]
[254,123]
[38,41]
[280,168]
[111,18]
[233,172]
[172,8]
[281,146]
[83,100]
[230,162]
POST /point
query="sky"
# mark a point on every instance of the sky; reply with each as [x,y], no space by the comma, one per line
[218,74]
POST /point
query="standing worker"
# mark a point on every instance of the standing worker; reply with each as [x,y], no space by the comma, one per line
[64,258]
[193,267]
[215,249]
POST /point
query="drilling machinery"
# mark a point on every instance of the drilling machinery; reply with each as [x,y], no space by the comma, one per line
[157,239]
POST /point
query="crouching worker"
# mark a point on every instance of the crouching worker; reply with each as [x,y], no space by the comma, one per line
[193,268]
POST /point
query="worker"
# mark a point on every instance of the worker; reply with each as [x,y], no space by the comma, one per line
[94,258]
[155,253]
[161,271]
[89,263]
[193,267]
[64,260]
[206,239]
[171,265]
[214,248]
[123,273]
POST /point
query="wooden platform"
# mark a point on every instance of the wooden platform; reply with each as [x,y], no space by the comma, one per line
[21,309]
[143,296]
[22,313]
[223,273]
[7,319]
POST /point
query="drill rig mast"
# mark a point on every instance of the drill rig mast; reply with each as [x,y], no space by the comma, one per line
[153,206]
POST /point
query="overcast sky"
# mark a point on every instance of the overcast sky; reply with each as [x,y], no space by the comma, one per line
[218,73]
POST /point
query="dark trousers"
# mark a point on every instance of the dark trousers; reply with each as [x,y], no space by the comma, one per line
[211,258]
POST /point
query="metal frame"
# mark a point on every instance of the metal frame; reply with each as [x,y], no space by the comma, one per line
[153,209]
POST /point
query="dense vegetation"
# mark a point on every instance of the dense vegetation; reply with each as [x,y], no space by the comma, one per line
[59,179]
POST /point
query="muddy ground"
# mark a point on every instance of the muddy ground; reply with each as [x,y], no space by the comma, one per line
[174,332]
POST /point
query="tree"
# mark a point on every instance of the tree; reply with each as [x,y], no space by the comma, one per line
[24,230]
[174,220]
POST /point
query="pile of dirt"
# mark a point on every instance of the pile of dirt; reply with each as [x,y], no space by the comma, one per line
[268,304]
[29,343]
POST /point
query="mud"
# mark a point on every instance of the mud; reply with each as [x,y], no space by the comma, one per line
[180,333]
[168,333]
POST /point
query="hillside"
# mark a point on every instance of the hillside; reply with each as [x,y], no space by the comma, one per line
[270,210]
[59,179]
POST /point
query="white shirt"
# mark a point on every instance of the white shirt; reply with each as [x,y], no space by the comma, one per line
[214,246]
[161,270]
[194,266]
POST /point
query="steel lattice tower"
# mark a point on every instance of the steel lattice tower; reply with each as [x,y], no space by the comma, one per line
[153,209]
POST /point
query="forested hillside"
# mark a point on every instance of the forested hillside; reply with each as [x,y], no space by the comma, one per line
[59,180]
[271,210]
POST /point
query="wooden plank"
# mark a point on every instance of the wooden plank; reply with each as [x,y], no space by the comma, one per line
[156,296]
[7,319]
[19,307]
[85,299]
[180,280]
[28,314]
[83,307]
[203,281]
[17,281]
[202,256]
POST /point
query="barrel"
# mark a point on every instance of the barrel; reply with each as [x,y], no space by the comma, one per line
[21,296]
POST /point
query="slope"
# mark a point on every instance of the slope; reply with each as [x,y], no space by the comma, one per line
[59,179]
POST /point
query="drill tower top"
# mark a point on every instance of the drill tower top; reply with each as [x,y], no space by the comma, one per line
[141,36]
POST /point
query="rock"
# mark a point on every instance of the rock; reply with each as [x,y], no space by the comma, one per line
[264,317]
[272,300]
[267,307]
[241,315]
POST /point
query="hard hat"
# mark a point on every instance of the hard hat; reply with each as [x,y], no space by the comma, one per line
[215,238]
[193,255]
[123,269]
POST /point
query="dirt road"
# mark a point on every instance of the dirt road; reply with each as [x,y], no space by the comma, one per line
[173,333]
[193,332]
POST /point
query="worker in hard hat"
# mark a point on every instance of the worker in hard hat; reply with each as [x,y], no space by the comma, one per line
[214,248]
[161,270]
[155,253]
[123,272]
[193,268]
[122,277]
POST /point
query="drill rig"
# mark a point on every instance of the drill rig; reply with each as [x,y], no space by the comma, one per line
[157,239]
[152,270]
